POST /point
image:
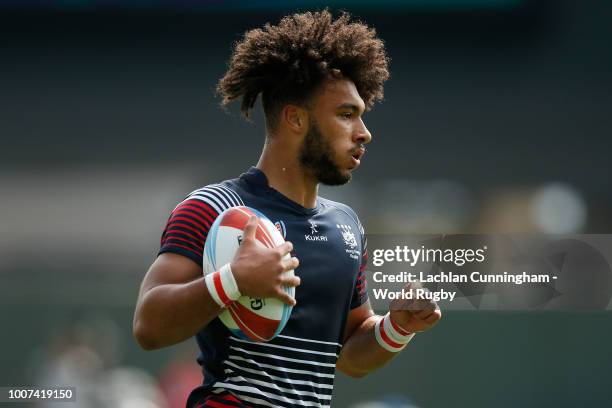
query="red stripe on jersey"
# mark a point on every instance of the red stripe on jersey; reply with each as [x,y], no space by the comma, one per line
[185,217]
[216,404]
[224,400]
[219,288]
[188,212]
[202,206]
[175,220]
[184,247]
[179,230]
[202,209]
[195,243]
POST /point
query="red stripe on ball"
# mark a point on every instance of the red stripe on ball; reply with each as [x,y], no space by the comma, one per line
[263,327]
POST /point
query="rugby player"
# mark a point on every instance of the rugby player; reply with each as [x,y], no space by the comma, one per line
[316,76]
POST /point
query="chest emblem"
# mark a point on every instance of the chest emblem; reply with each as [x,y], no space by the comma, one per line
[313,227]
[349,240]
[314,233]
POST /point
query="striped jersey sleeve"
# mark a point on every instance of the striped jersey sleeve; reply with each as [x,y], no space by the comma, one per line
[360,294]
[188,225]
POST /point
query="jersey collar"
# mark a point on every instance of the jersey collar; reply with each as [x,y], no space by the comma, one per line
[258,179]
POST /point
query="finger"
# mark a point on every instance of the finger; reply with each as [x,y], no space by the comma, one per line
[402,304]
[413,305]
[424,318]
[434,317]
[250,228]
[413,286]
[285,248]
[291,281]
[290,264]
[285,298]
[426,311]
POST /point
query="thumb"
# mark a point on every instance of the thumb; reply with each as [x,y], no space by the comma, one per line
[250,228]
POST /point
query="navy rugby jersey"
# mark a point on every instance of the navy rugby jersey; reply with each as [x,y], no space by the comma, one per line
[296,368]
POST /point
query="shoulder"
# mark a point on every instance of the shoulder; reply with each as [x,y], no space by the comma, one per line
[343,208]
[218,196]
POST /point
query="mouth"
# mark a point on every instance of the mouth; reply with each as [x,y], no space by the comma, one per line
[356,156]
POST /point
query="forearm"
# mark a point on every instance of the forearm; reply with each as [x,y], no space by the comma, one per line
[371,341]
[361,352]
[170,313]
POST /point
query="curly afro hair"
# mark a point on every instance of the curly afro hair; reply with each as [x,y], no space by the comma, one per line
[287,62]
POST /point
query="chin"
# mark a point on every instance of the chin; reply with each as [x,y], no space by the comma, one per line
[337,179]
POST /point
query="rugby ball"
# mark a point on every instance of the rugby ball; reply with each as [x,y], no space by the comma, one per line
[247,318]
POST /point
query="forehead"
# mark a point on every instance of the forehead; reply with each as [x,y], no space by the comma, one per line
[335,93]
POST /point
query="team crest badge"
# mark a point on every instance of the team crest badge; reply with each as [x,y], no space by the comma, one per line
[280,226]
[349,238]
[348,235]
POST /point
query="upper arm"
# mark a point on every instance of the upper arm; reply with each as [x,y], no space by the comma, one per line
[182,243]
[161,295]
[356,317]
[169,268]
[360,308]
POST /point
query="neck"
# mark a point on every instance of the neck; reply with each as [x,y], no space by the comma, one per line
[282,168]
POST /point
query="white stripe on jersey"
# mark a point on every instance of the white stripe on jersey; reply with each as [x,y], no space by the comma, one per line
[210,199]
[221,195]
[294,360]
[281,369]
[218,197]
[256,391]
[246,398]
[281,379]
[231,193]
[310,340]
[285,347]
[273,387]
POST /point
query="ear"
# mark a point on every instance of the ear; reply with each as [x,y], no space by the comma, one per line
[295,117]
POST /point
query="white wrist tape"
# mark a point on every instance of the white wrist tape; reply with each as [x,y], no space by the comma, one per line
[390,335]
[222,286]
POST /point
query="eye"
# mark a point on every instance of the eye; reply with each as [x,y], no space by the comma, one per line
[346,115]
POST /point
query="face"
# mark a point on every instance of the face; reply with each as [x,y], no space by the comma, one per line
[334,144]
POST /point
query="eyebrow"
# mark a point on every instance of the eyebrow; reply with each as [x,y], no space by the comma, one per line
[350,106]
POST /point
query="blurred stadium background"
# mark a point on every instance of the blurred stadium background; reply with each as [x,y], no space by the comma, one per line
[496,119]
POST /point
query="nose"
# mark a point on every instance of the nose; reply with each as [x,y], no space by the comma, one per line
[362,134]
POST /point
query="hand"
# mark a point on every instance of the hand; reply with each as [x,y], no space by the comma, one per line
[415,315]
[259,270]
